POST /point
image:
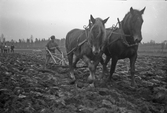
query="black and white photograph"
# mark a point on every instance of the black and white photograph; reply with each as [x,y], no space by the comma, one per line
[83,56]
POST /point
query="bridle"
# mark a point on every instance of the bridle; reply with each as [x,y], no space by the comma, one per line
[123,35]
[87,30]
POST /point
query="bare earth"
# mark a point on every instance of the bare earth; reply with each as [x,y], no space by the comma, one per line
[26,88]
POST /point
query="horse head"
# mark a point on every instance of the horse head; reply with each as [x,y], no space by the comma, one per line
[97,34]
[132,24]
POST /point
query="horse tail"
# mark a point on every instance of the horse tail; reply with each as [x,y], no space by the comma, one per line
[67,41]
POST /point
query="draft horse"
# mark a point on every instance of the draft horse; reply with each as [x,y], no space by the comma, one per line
[86,45]
[123,42]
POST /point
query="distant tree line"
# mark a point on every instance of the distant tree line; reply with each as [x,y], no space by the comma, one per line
[38,43]
[153,43]
[29,43]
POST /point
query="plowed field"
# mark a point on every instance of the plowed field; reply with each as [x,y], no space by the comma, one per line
[26,88]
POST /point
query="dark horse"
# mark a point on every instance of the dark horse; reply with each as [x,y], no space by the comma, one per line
[86,44]
[123,41]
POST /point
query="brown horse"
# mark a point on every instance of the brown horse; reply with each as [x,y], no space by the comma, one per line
[86,44]
[123,42]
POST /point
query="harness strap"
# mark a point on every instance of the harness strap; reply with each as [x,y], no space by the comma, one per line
[111,33]
[122,34]
[79,44]
[124,40]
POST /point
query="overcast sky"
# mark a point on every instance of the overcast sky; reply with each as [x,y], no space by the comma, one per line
[42,18]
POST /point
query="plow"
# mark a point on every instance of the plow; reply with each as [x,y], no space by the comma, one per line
[58,58]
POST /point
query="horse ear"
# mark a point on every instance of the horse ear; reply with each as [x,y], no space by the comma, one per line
[142,11]
[131,10]
[105,20]
[92,19]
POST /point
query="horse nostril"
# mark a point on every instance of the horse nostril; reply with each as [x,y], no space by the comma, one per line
[137,40]
[95,52]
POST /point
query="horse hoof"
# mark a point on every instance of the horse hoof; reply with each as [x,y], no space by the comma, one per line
[91,85]
[72,82]
[133,85]
[90,79]
[72,76]
[108,79]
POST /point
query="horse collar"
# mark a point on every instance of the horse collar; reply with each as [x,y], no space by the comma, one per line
[123,37]
[125,42]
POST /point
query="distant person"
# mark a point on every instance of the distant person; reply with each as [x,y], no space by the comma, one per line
[1,47]
[51,46]
[5,49]
[12,48]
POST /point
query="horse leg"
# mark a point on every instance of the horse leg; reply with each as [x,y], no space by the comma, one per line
[70,59]
[91,67]
[76,59]
[105,70]
[112,68]
[132,69]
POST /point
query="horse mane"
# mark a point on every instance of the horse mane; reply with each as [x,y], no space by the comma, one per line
[101,21]
[94,26]
[126,26]
[129,15]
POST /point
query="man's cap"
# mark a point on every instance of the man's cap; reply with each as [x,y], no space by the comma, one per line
[52,37]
